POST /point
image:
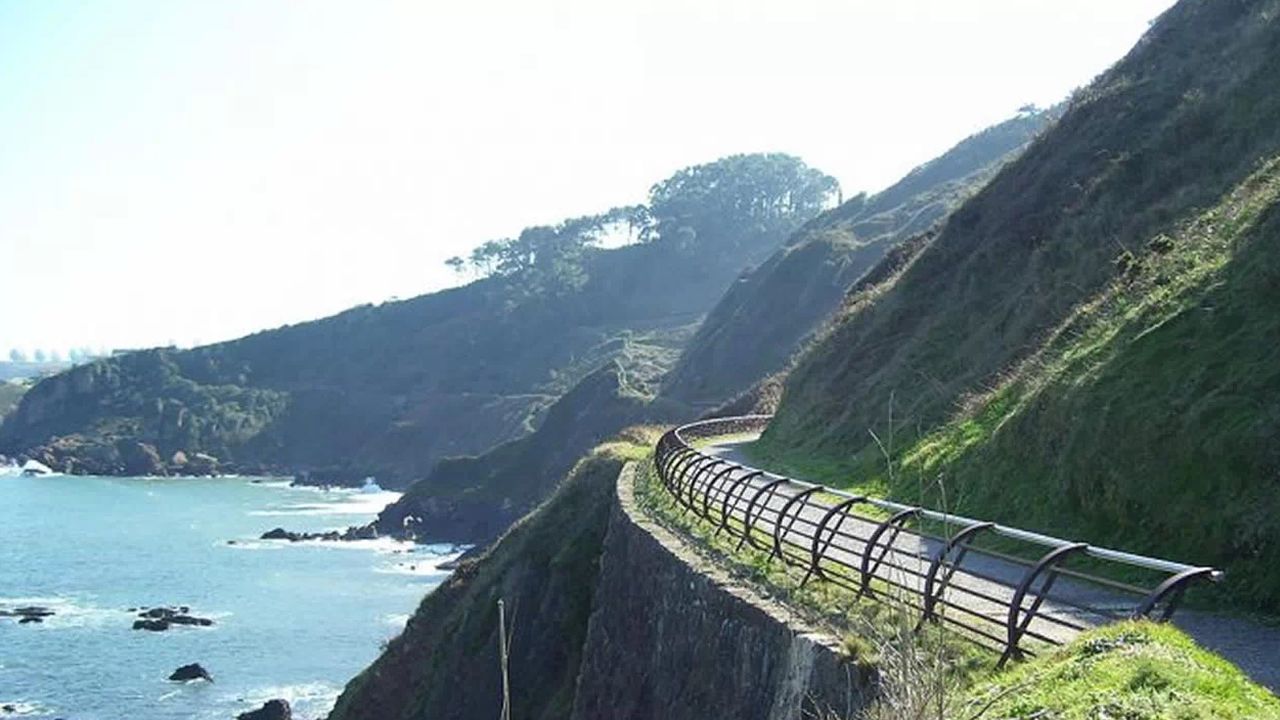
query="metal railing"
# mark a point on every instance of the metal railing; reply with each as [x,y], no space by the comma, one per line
[1006,599]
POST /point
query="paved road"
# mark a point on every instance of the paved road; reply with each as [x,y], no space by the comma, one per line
[1253,646]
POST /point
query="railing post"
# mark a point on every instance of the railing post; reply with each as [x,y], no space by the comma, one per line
[724,508]
[895,521]
[819,548]
[1171,591]
[679,469]
[701,472]
[1016,625]
[768,487]
[778,532]
[706,494]
[958,540]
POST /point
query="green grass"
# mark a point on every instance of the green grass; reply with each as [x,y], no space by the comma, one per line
[1145,421]
[1127,671]
[865,627]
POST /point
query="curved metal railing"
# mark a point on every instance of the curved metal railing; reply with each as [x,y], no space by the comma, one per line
[1001,598]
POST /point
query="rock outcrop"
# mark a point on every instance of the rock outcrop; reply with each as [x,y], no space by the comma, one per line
[161,619]
[271,710]
[188,673]
[687,641]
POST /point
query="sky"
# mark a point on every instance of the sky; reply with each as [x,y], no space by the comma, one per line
[185,172]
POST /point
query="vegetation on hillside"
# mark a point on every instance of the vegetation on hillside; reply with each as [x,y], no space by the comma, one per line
[390,390]
[767,314]
[473,499]
[1087,347]
[10,394]
[544,568]
[1127,670]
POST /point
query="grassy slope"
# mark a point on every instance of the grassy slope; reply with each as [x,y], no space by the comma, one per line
[473,499]
[10,394]
[767,315]
[386,390]
[1088,347]
[445,663]
[1125,671]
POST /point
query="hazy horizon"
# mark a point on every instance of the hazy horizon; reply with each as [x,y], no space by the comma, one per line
[192,173]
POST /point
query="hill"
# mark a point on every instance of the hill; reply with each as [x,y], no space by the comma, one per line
[1088,345]
[389,390]
[767,315]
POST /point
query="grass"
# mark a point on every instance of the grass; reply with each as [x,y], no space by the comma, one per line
[867,629]
[1134,670]
[1127,671]
[1145,421]
[1089,347]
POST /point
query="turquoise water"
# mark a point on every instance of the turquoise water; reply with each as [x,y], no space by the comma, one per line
[294,621]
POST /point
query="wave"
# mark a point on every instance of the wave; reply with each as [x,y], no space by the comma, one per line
[69,612]
[353,503]
[20,708]
[311,699]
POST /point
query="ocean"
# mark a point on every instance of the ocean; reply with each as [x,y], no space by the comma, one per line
[295,621]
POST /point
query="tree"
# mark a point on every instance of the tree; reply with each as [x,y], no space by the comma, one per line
[39,356]
[738,198]
[16,355]
[549,259]
[456,264]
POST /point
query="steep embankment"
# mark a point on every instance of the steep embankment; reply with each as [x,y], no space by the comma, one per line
[590,641]
[445,664]
[389,390]
[473,499]
[1089,345]
[767,315]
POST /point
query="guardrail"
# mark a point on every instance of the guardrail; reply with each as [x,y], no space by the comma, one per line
[997,598]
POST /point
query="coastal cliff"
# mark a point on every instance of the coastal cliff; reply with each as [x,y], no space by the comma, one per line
[674,636]
[609,617]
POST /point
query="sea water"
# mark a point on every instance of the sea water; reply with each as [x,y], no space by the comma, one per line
[292,620]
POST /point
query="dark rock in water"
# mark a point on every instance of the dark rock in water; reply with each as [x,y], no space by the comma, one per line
[188,620]
[28,614]
[272,710]
[190,672]
[332,536]
[9,709]
[279,534]
[159,619]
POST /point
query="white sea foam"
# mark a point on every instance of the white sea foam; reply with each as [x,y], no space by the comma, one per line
[348,503]
[396,620]
[23,709]
[313,699]
[68,612]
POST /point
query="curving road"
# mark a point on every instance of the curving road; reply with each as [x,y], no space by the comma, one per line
[980,588]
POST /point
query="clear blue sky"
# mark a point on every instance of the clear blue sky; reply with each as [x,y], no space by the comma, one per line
[193,171]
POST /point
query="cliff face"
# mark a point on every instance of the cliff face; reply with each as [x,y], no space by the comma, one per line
[610,617]
[672,636]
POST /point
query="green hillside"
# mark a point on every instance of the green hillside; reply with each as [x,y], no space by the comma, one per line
[389,390]
[767,314]
[1089,346]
